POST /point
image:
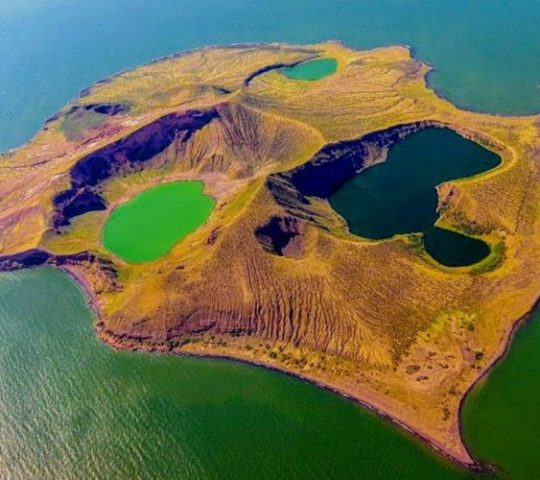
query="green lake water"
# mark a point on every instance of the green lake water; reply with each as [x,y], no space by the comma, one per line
[73,408]
[312,70]
[500,417]
[399,196]
[148,226]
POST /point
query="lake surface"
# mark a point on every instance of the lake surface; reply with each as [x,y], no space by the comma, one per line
[312,70]
[399,196]
[71,407]
[453,249]
[485,51]
[147,226]
[500,417]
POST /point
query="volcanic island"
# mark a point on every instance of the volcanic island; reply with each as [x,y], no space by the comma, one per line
[272,275]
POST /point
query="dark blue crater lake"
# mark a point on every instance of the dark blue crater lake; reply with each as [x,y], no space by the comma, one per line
[399,195]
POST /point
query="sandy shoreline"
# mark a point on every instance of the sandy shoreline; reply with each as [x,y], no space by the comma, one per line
[85,286]
[132,345]
[469,463]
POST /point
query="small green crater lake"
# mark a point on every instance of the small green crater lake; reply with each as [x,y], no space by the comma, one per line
[312,70]
[147,227]
[398,196]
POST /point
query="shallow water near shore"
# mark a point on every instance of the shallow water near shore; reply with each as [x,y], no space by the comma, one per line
[147,226]
[74,408]
[399,195]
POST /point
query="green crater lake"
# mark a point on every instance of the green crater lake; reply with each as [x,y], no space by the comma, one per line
[147,227]
[398,196]
[71,407]
[312,70]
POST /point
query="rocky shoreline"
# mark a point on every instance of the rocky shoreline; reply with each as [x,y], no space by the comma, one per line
[126,343]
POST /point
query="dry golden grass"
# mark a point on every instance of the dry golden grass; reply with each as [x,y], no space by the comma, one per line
[378,321]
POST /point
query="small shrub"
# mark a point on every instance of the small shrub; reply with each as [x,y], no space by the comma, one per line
[493,261]
[412,369]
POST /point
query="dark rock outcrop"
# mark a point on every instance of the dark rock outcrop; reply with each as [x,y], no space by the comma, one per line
[109,109]
[338,162]
[277,66]
[76,202]
[268,68]
[123,156]
[38,258]
[282,235]
[28,259]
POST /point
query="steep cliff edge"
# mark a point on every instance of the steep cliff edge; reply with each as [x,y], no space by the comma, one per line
[274,277]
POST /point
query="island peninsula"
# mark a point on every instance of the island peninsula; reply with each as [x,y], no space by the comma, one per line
[273,276]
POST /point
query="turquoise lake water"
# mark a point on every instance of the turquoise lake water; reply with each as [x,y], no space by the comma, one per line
[71,407]
[312,70]
[485,51]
